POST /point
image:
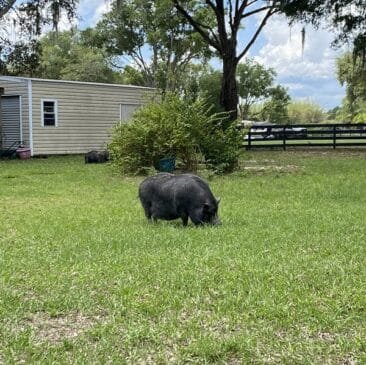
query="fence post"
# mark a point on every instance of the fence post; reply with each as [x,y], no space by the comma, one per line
[334,137]
[249,139]
[284,138]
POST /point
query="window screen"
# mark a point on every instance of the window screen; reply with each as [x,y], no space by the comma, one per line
[49,113]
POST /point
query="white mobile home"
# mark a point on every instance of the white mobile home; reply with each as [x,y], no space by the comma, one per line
[63,117]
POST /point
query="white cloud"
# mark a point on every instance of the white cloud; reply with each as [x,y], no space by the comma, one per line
[101,9]
[293,85]
[283,51]
[91,11]
[64,23]
[308,74]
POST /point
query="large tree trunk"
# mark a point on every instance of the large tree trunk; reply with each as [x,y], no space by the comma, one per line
[229,92]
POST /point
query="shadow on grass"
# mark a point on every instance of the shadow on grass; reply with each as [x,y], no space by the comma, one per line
[178,224]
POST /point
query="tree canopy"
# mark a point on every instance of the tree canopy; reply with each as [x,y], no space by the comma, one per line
[255,83]
[229,16]
[158,40]
[66,56]
[222,35]
[28,19]
[351,72]
[32,15]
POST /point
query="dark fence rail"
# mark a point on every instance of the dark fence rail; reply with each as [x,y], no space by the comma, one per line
[305,135]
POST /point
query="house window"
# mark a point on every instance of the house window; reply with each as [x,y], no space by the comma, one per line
[49,113]
[126,111]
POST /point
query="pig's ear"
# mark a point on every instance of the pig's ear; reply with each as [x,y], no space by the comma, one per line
[218,201]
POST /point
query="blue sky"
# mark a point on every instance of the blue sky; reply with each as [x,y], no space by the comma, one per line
[308,76]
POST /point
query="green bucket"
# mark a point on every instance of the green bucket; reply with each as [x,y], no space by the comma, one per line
[166,164]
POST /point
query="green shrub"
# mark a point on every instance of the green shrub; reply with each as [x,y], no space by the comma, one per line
[359,118]
[303,112]
[221,148]
[176,128]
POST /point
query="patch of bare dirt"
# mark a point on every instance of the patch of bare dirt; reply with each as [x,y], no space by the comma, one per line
[59,328]
[326,336]
[274,168]
[350,152]
[349,361]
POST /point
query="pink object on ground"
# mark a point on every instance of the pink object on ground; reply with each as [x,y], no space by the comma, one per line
[23,153]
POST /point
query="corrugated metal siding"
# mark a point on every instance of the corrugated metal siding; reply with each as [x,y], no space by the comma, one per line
[10,122]
[21,89]
[86,114]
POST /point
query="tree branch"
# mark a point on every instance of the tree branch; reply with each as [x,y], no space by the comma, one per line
[252,2]
[256,34]
[185,61]
[238,12]
[243,5]
[236,6]
[198,27]
[138,58]
[204,26]
[211,5]
[231,15]
[219,10]
[249,13]
[4,9]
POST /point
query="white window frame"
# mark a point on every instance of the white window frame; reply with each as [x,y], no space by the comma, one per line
[56,113]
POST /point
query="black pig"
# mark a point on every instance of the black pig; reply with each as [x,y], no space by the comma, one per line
[97,157]
[167,196]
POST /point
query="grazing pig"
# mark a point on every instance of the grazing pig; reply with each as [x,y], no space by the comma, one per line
[97,157]
[167,196]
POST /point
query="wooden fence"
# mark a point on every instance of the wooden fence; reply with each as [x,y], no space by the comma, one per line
[305,135]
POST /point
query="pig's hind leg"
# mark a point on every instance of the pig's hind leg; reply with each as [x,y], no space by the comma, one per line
[184,219]
[147,210]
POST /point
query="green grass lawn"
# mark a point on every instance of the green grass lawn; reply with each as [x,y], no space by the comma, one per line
[85,279]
